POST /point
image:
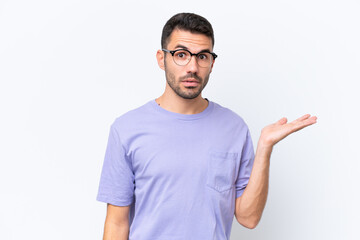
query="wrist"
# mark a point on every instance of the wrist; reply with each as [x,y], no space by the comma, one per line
[264,147]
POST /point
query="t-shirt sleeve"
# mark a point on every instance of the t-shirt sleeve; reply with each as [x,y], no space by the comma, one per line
[246,164]
[117,178]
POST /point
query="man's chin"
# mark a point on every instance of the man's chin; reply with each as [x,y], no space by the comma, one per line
[189,96]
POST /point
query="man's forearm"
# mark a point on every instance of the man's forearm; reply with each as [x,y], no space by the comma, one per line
[113,231]
[252,202]
[250,205]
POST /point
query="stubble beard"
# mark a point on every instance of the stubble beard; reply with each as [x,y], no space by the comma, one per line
[176,84]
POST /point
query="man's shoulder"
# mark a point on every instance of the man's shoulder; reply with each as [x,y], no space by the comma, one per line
[133,115]
[226,113]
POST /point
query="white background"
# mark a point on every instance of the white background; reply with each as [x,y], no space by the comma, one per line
[69,68]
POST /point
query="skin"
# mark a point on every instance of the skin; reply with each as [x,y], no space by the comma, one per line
[117,223]
[177,97]
[188,100]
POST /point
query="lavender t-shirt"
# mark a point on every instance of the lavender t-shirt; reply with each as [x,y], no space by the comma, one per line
[181,173]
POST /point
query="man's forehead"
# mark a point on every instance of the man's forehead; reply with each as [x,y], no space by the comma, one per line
[192,41]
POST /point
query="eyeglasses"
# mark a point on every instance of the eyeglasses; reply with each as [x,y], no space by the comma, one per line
[183,56]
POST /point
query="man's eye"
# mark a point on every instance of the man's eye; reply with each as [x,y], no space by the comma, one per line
[181,55]
[202,57]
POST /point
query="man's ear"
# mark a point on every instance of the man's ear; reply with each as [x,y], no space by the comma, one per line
[160,56]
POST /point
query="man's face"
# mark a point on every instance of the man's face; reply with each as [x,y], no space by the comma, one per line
[187,81]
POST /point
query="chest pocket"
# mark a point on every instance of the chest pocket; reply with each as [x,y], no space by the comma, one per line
[221,170]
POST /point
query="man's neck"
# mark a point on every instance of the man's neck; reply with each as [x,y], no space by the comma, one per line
[181,105]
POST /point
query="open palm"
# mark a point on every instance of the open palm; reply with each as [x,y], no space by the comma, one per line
[273,133]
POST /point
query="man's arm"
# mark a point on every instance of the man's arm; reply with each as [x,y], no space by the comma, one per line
[116,223]
[250,205]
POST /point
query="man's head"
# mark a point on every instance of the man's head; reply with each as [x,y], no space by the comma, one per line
[187,22]
[187,33]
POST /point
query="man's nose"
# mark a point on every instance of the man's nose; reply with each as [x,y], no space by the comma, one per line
[192,66]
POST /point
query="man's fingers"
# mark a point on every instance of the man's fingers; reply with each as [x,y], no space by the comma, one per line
[304,121]
[300,122]
[308,121]
[300,119]
[297,124]
[282,121]
[311,120]
[303,117]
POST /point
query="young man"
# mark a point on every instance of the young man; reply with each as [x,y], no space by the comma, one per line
[181,166]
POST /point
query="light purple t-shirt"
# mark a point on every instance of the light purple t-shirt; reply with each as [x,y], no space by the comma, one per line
[181,173]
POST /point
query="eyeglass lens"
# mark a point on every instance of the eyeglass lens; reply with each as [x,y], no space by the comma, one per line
[183,57]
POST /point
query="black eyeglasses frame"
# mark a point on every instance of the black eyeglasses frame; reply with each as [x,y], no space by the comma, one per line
[172,52]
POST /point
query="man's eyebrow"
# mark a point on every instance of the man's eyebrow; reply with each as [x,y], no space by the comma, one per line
[183,47]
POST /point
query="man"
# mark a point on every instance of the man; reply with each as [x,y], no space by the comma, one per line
[181,166]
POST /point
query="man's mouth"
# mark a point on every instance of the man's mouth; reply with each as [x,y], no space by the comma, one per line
[190,82]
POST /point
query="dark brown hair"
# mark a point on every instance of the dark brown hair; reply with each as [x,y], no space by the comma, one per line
[189,22]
